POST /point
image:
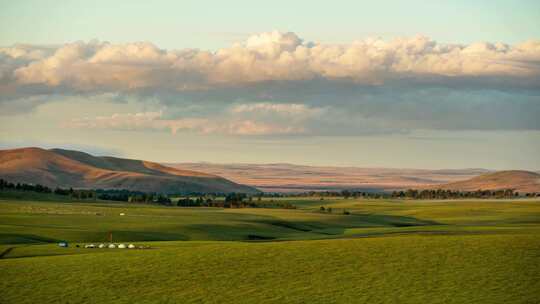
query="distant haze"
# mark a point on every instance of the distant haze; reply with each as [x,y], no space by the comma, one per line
[295,178]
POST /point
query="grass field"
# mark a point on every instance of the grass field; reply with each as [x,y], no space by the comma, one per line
[403,251]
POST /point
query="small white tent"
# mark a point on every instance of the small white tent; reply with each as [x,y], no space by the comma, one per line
[122,246]
[112,246]
[131,246]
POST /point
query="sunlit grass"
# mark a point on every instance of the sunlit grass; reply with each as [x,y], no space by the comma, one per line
[394,251]
[399,269]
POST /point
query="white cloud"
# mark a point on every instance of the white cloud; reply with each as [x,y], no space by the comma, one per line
[270,56]
[276,83]
[272,44]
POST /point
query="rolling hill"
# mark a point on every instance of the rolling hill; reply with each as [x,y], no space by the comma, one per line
[521,181]
[66,168]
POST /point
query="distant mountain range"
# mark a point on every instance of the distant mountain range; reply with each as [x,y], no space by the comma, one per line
[66,168]
[297,178]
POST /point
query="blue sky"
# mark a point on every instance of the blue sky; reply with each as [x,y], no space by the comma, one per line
[425,84]
[214,24]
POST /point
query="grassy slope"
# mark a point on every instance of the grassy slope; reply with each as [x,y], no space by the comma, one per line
[461,252]
[402,269]
[90,222]
[37,222]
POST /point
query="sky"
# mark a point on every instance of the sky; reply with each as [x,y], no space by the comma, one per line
[408,84]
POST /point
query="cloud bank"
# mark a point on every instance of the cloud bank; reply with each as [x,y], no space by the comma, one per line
[273,56]
[277,83]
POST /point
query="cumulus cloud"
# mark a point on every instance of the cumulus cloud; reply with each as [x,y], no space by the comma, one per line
[272,56]
[277,83]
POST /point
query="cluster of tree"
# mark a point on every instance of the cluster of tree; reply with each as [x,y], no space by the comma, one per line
[346,194]
[451,194]
[150,198]
[116,195]
[330,210]
[232,200]
[24,187]
[78,194]
[112,195]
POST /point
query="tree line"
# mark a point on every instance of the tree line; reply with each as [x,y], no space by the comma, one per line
[231,200]
[242,200]
[416,194]
[100,194]
[330,194]
[454,194]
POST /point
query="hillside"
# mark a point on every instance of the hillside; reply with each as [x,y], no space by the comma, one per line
[65,168]
[521,181]
[299,178]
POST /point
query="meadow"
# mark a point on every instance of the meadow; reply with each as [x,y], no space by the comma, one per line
[384,251]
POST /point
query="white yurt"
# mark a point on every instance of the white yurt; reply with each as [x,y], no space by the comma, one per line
[101,246]
[112,246]
[131,246]
[122,246]
[89,246]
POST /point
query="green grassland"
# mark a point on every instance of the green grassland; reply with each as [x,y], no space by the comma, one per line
[384,251]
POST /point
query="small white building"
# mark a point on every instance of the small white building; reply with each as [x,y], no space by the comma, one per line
[112,246]
[101,246]
[122,246]
[122,214]
[131,246]
[89,246]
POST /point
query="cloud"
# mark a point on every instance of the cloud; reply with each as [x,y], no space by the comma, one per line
[277,83]
[156,121]
[273,56]
[286,110]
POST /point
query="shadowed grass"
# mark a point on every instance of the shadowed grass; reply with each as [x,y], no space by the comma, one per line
[35,222]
